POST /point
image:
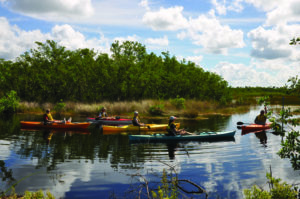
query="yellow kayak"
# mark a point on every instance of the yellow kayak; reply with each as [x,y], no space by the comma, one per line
[147,127]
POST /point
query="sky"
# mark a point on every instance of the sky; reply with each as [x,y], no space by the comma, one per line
[244,41]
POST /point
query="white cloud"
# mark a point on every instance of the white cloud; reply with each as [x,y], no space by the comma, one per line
[14,41]
[158,41]
[288,11]
[242,75]
[53,9]
[266,5]
[145,4]
[258,73]
[195,59]
[128,38]
[104,12]
[221,6]
[274,43]
[166,19]
[66,36]
[215,38]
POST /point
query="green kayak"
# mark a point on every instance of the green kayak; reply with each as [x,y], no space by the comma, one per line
[209,136]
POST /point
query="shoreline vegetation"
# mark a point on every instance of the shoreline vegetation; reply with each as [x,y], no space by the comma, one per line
[190,109]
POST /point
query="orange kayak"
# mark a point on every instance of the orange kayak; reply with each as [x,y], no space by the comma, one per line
[147,127]
[33,125]
[256,127]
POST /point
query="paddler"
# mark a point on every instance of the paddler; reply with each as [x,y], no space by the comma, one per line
[172,128]
[136,120]
[47,117]
[261,118]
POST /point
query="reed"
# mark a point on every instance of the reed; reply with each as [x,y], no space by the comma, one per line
[192,108]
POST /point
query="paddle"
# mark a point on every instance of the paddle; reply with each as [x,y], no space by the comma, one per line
[241,123]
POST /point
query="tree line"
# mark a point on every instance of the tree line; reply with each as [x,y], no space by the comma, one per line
[50,73]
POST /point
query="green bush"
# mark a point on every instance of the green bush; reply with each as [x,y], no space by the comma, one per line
[60,106]
[10,103]
[278,190]
[156,109]
[178,102]
[30,195]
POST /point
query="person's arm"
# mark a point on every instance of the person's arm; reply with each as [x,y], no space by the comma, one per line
[255,121]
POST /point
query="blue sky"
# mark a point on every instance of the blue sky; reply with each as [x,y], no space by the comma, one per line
[245,41]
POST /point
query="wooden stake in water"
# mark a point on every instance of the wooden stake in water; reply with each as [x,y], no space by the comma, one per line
[282,114]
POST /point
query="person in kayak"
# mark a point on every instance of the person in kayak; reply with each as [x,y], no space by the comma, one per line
[261,118]
[47,117]
[172,129]
[136,120]
[102,114]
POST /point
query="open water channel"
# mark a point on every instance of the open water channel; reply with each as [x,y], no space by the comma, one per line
[98,165]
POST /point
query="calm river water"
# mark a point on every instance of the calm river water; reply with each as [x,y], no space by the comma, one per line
[95,165]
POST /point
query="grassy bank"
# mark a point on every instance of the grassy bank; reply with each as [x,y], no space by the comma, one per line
[187,109]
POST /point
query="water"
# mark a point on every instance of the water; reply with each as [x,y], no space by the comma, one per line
[93,165]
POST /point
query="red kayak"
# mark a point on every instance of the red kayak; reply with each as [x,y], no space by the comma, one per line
[68,125]
[256,127]
[110,121]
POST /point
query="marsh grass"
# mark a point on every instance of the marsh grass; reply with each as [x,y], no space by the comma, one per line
[192,108]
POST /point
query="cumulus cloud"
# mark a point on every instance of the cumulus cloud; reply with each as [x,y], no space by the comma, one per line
[107,12]
[205,30]
[240,74]
[288,11]
[166,19]
[273,43]
[215,38]
[53,8]
[255,75]
[14,41]
[221,6]
[66,36]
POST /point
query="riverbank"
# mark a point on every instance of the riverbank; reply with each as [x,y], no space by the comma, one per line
[191,109]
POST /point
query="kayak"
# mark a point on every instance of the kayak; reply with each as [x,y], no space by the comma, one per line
[111,121]
[255,127]
[198,137]
[148,127]
[68,125]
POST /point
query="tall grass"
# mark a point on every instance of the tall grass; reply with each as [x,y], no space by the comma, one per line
[191,109]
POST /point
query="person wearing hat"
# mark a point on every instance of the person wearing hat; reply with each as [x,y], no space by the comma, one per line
[136,120]
[102,114]
[261,118]
[47,117]
[172,129]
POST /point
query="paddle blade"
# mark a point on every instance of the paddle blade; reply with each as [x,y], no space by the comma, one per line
[239,127]
[149,127]
[240,123]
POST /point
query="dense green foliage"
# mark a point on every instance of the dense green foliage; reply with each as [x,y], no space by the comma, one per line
[9,103]
[278,190]
[295,85]
[51,72]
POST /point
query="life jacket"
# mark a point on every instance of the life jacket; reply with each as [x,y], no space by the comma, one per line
[134,120]
[102,114]
[169,125]
[49,116]
[261,118]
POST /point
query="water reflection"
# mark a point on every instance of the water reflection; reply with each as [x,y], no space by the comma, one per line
[92,164]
